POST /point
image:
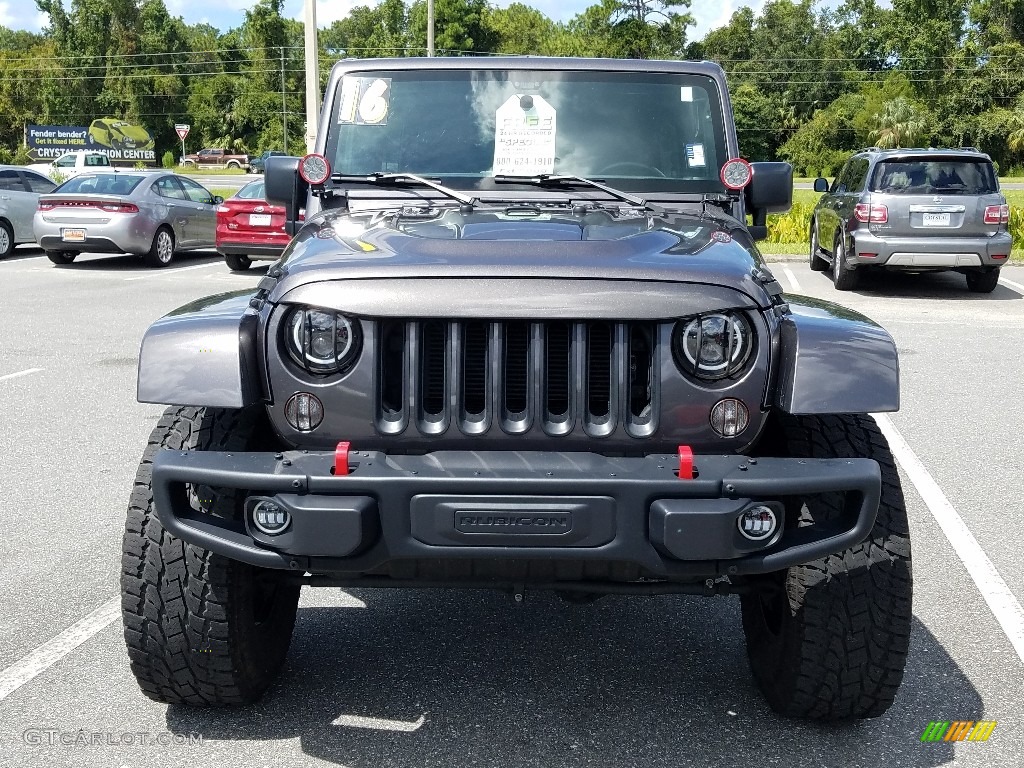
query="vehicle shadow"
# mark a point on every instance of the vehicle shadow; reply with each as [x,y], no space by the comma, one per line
[929,285]
[467,678]
[101,262]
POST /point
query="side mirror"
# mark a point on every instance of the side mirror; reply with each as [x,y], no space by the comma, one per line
[770,191]
[284,187]
[217,200]
[821,185]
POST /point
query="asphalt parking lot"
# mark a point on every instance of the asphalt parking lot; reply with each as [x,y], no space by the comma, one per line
[469,678]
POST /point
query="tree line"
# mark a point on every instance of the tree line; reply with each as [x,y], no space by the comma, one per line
[809,83]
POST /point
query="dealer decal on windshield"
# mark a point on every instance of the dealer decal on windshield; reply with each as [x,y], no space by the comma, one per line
[364,100]
[524,137]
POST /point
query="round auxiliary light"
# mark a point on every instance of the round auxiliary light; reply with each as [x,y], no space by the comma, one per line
[314,169]
[736,173]
[304,411]
[270,518]
[757,523]
[729,417]
[714,346]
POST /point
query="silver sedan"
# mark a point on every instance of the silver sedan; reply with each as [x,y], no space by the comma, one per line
[152,215]
[19,195]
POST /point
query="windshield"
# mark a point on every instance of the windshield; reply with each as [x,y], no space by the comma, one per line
[639,131]
[926,177]
[252,191]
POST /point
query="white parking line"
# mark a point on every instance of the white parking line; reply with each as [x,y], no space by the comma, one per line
[1012,284]
[792,278]
[19,374]
[174,271]
[380,723]
[55,649]
[997,594]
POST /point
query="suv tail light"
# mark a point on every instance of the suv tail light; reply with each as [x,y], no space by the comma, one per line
[997,214]
[873,214]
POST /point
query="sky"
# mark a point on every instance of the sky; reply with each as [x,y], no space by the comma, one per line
[22,14]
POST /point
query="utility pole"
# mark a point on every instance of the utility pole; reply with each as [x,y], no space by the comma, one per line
[430,27]
[312,75]
[284,104]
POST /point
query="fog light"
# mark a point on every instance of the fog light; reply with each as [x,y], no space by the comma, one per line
[729,417]
[270,518]
[757,523]
[304,411]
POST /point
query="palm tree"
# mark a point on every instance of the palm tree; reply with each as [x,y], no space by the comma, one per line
[899,125]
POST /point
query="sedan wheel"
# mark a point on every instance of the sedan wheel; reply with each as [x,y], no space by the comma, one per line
[6,240]
[162,251]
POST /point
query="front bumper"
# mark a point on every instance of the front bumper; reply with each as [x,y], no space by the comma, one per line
[461,505]
[930,252]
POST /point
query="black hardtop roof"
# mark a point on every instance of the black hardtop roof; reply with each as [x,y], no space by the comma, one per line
[710,69]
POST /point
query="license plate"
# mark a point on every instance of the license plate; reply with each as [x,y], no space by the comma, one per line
[73,235]
[263,219]
[936,220]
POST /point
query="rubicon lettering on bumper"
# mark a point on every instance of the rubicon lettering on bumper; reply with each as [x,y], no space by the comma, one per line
[534,523]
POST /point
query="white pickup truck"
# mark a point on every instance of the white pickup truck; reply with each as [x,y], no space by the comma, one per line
[73,163]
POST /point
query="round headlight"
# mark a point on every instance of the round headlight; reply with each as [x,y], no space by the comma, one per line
[714,346]
[320,341]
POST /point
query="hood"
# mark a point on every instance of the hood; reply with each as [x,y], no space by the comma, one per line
[517,243]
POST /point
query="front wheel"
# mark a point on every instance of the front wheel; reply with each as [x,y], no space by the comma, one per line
[237,262]
[828,640]
[201,629]
[983,282]
[818,264]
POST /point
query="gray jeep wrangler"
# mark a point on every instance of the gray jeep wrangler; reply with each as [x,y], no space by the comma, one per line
[523,340]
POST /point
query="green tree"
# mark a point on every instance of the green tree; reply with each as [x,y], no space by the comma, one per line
[900,124]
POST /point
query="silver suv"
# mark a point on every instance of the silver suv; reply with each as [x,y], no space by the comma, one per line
[916,210]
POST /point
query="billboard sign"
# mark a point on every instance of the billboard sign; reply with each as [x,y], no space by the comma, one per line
[123,142]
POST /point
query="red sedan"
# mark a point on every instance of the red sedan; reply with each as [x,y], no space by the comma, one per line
[250,228]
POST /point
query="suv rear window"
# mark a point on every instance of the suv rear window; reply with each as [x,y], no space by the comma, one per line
[948,176]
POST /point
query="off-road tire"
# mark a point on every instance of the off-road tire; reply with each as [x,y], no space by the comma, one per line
[62,257]
[6,239]
[817,263]
[161,252]
[844,278]
[982,282]
[201,629]
[832,642]
[237,262]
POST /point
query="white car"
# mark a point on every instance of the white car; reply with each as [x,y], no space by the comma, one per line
[19,196]
[73,163]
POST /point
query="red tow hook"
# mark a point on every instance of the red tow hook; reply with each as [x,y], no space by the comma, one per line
[341,459]
[685,463]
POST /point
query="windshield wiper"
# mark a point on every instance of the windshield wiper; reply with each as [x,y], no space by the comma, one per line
[405,178]
[554,180]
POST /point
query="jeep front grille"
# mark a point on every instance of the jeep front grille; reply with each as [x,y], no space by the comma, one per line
[554,378]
